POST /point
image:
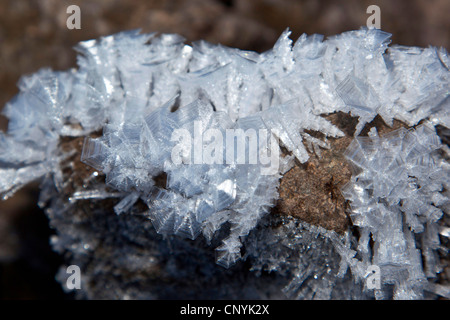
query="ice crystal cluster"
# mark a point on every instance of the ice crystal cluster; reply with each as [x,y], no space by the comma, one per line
[395,194]
[133,93]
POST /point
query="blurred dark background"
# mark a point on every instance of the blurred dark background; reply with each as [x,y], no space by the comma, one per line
[33,35]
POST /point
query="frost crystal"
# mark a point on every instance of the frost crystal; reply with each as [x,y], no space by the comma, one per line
[200,135]
[396,194]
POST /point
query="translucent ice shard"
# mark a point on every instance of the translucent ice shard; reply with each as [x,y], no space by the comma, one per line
[358,94]
[94,153]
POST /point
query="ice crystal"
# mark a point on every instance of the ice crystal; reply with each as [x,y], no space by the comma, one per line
[396,193]
[308,256]
[165,109]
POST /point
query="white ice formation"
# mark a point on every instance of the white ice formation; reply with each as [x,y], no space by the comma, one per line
[397,195]
[139,89]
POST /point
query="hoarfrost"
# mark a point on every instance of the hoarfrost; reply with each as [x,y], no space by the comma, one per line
[151,96]
[397,196]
